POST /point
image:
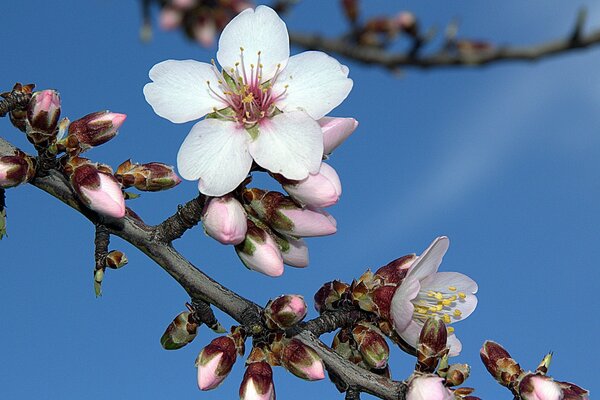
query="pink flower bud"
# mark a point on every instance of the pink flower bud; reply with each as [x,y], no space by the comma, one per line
[257,383]
[293,251]
[16,169]
[335,131]
[428,387]
[259,252]
[285,311]
[215,362]
[205,32]
[99,191]
[539,387]
[302,361]
[93,130]
[307,223]
[169,18]
[224,219]
[317,190]
[43,111]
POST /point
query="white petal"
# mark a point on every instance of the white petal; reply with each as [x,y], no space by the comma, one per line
[216,152]
[255,30]
[429,261]
[402,308]
[316,83]
[439,282]
[179,91]
[411,333]
[290,144]
[454,344]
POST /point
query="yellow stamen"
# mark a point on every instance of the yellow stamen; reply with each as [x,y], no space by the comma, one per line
[457,313]
[462,295]
[446,318]
[452,288]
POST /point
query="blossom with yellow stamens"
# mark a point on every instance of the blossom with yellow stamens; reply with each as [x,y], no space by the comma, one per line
[425,293]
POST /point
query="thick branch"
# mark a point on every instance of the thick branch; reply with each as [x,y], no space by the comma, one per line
[382,57]
[200,286]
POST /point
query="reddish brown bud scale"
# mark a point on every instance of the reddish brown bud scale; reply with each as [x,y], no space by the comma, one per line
[116,259]
[215,362]
[179,333]
[499,363]
[93,130]
[257,383]
[285,311]
[149,177]
[394,272]
[329,295]
[302,361]
[371,344]
[43,113]
[16,169]
[457,374]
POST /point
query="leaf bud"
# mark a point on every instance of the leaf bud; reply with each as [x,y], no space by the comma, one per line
[116,259]
[149,177]
[499,363]
[329,295]
[457,374]
[180,332]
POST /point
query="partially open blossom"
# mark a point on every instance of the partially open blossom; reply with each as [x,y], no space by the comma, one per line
[322,189]
[284,216]
[265,104]
[428,387]
[215,362]
[43,112]
[149,177]
[335,131]
[93,130]
[257,383]
[539,387]
[224,220]
[97,189]
[16,169]
[285,311]
[302,361]
[179,333]
[259,251]
[424,292]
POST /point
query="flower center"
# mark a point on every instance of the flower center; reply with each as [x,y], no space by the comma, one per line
[249,98]
[442,304]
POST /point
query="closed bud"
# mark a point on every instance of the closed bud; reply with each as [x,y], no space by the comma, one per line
[499,363]
[149,177]
[322,189]
[205,32]
[116,259]
[539,387]
[215,362]
[432,344]
[428,387]
[394,272]
[371,344]
[259,251]
[335,131]
[93,130]
[16,169]
[285,311]
[180,332]
[542,368]
[96,187]
[18,117]
[257,383]
[224,219]
[293,251]
[98,278]
[284,216]
[329,295]
[457,374]
[302,361]
[43,113]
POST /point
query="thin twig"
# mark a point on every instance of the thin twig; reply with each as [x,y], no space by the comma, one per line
[186,217]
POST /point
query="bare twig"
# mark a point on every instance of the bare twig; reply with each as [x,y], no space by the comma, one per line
[13,100]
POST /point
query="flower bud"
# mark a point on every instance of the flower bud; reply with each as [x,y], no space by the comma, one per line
[93,130]
[293,251]
[432,344]
[371,344]
[335,131]
[499,363]
[215,362]
[98,278]
[43,113]
[284,216]
[285,311]
[428,387]
[180,332]
[16,169]
[322,189]
[116,259]
[457,374]
[394,272]
[329,295]
[97,190]
[149,177]
[259,251]
[224,219]
[302,361]
[257,383]
[170,18]
[539,387]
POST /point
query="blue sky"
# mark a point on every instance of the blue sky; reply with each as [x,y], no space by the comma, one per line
[503,160]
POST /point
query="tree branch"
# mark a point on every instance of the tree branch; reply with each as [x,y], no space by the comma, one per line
[200,286]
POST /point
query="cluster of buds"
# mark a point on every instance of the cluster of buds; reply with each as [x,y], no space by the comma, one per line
[527,385]
[200,19]
[266,227]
